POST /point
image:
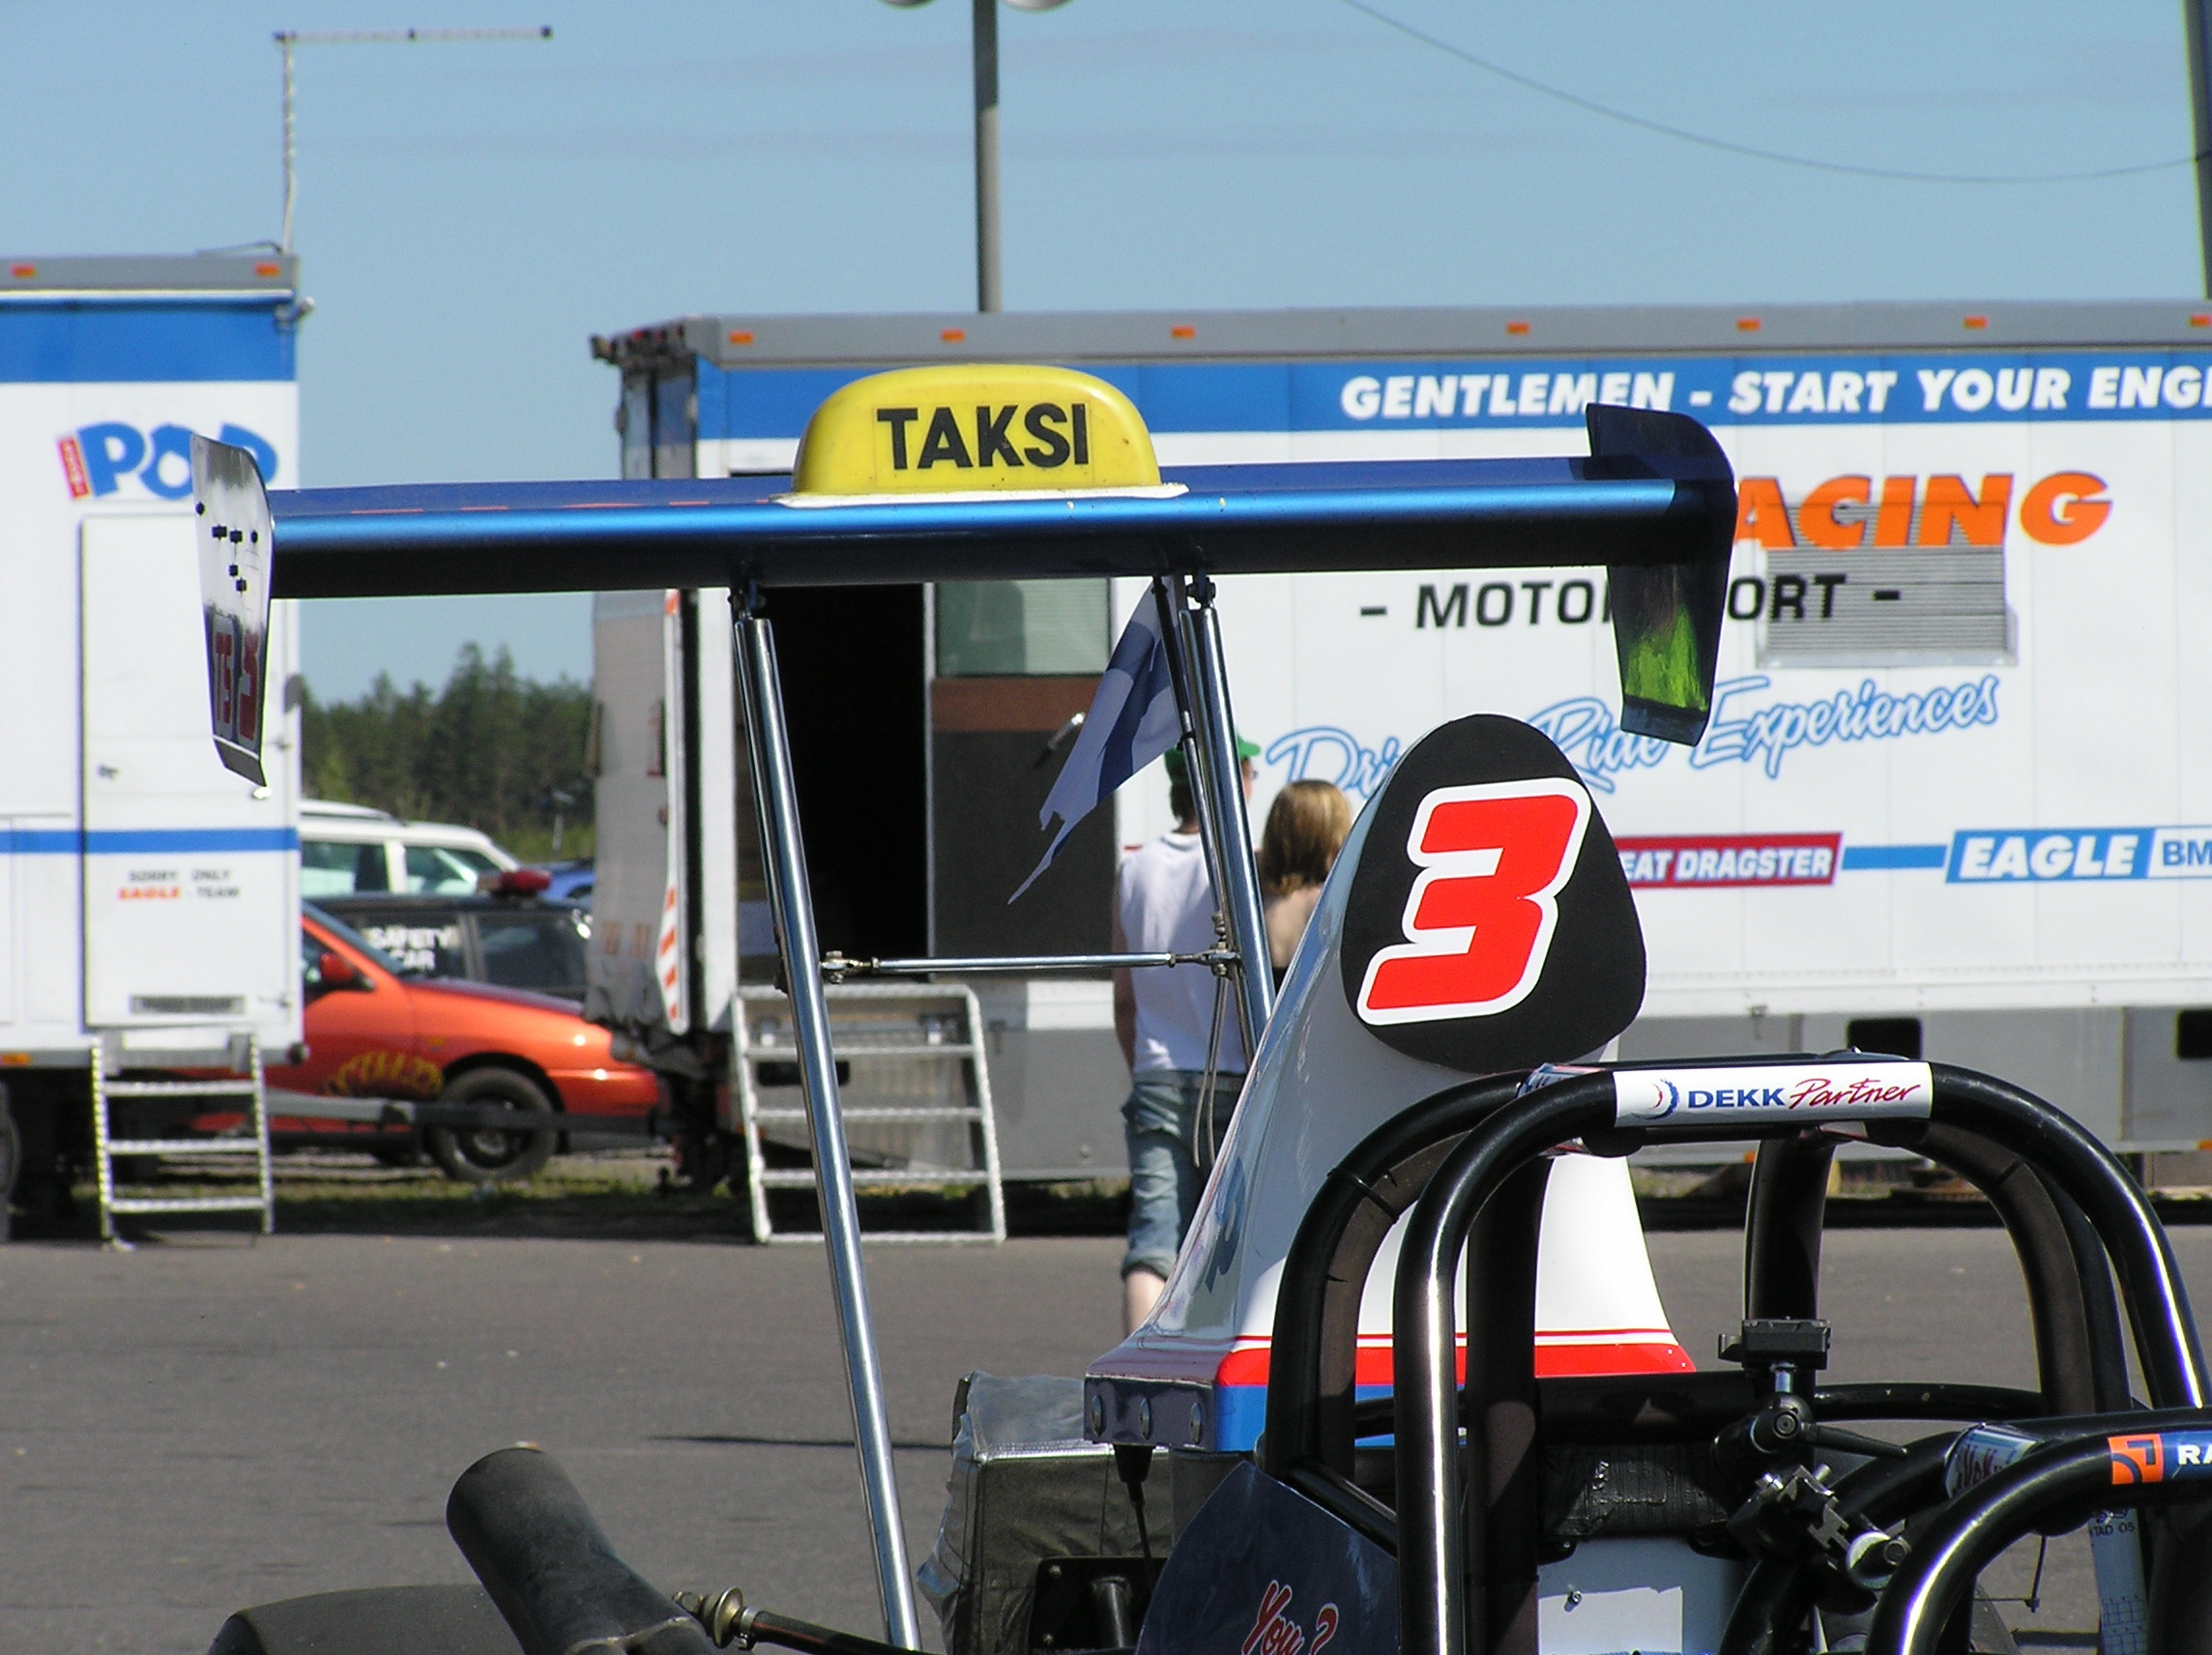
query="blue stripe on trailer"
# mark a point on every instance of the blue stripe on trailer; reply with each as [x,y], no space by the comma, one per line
[1874,858]
[83,342]
[1968,386]
[145,841]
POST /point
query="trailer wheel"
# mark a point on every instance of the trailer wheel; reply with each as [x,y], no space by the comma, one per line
[489,1155]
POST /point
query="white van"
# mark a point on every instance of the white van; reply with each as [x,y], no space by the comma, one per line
[350,848]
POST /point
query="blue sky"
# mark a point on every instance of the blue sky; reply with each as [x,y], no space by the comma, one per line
[470,213]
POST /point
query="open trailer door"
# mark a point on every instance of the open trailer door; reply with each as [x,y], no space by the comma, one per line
[190,870]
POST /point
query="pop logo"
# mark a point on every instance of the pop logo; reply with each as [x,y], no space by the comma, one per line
[1274,1633]
[97,459]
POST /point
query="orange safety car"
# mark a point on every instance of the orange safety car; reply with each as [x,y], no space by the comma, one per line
[375,1032]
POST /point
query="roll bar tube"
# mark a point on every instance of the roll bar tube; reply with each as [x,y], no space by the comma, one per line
[1440,1537]
[2083,1473]
[2157,1303]
[2081,1364]
[1433,1616]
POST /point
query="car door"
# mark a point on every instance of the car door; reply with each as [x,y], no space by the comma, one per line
[360,1033]
[425,941]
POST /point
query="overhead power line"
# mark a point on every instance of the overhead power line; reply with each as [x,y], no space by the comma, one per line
[1754,152]
[289,42]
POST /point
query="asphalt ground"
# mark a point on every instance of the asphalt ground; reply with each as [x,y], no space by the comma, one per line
[212,1420]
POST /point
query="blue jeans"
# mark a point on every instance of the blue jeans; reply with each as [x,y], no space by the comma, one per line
[1161,1122]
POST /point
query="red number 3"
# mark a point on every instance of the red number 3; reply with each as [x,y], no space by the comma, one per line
[1480,917]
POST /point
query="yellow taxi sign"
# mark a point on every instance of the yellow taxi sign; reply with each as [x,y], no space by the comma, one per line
[990,428]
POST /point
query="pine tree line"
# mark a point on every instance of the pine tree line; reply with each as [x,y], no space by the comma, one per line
[490,749]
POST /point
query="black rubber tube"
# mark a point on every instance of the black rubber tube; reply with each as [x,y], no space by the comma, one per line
[1782,1222]
[2108,1346]
[544,1560]
[2057,1302]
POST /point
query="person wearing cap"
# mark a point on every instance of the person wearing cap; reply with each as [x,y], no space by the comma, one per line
[1165,1021]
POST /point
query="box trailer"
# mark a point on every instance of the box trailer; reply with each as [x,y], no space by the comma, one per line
[149,898]
[1956,796]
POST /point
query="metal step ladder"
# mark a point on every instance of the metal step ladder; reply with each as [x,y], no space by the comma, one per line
[916,1092]
[244,1087]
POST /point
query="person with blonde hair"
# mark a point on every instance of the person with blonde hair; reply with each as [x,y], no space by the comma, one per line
[1306,827]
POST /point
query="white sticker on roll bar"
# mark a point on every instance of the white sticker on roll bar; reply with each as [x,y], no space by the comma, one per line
[1751,1093]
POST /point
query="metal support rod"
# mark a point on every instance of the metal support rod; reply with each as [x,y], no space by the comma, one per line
[1241,898]
[783,858]
[1198,775]
[986,45]
[835,967]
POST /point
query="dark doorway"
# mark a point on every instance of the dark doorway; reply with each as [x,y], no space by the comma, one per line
[852,695]
[1892,1037]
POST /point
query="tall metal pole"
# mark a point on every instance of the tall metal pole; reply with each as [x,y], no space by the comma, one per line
[986,43]
[285,42]
[784,855]
[2197,26]
[1241,897]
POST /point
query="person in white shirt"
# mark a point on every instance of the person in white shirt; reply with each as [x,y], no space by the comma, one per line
[1164,1019]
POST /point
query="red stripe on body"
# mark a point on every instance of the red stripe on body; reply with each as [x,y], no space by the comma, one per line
[1591,1353]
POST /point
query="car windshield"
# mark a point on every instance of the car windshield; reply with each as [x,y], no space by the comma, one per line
[352,938]
[333,867]
[445,869]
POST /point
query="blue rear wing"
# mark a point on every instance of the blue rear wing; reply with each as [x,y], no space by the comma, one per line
[1654,502]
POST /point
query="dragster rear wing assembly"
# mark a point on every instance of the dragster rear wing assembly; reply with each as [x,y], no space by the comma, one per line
[999,473]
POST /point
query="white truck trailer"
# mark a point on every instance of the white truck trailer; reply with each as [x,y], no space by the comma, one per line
[149,898]
[1956,796]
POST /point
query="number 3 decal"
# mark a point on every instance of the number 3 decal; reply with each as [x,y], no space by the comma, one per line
[1480,918]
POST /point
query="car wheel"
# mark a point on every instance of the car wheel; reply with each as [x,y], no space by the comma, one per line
[485,1155]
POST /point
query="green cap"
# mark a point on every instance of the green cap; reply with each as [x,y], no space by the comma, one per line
[1174,756]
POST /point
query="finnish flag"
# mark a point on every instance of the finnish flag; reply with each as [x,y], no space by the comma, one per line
[1132,723]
